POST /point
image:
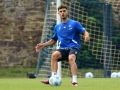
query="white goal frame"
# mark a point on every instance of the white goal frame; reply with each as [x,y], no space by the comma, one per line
[58,21]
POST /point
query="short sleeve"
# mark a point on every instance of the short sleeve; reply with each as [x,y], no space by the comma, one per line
[80,28]
[55,37]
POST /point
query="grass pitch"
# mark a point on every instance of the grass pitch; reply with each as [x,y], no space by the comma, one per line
[83,84]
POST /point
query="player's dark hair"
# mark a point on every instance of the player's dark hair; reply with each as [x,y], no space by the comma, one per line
[62,6]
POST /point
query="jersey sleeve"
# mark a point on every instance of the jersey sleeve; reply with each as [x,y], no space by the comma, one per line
[55,37]
[80,28]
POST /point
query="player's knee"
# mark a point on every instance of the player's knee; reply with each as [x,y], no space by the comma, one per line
[56,55]
[71,60]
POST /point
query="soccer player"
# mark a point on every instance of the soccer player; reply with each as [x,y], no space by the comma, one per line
[67,37]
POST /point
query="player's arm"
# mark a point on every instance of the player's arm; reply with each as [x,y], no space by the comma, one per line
[48,43]
[82,30]
[86,36]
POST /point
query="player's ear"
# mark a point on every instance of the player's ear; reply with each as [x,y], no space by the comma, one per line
[58,12]
[67,12]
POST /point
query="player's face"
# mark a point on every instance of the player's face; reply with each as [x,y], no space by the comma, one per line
[63,13]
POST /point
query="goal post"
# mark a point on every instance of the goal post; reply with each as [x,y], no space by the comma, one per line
[107,32]
[58,21]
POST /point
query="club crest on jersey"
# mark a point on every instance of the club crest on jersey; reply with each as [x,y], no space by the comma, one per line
[70,27]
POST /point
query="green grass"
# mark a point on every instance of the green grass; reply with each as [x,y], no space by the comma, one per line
[15,72]
[15,79]
[83,84]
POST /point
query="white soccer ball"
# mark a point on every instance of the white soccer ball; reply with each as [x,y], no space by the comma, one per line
[114,75]
[55,80]
[89,75]
[118,74]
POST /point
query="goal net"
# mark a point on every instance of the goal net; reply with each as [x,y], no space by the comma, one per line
[101,55]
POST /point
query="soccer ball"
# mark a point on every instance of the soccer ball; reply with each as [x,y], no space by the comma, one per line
[55,80]
[118,75]
[115,75]
[89,75]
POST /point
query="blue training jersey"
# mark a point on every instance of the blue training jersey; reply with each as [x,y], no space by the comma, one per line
[67,34]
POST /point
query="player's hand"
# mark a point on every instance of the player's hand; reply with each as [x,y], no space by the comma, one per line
[39,47]
[86,38]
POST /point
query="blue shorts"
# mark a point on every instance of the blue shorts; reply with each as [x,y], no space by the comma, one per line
[66,52]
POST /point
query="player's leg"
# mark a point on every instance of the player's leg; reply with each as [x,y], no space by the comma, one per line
[54,61]
[72,61]
[54,65]
[58,55]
